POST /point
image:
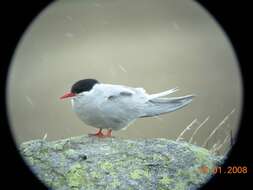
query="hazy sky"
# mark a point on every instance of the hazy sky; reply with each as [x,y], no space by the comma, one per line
[156,45]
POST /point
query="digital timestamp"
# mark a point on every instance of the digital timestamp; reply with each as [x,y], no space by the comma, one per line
[224,170]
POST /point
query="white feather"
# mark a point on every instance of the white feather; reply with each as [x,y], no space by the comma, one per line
[165,93]
[116,106]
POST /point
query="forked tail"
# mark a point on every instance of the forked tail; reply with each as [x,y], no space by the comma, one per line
[157,106]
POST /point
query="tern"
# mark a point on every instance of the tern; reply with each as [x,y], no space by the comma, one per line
[115,107]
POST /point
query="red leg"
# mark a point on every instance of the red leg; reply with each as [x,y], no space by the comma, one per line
[109,133]
[98,134]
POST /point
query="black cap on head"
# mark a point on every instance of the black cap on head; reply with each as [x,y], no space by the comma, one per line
[83,85]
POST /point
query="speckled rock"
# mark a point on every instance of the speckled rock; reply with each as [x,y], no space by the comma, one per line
[113,163]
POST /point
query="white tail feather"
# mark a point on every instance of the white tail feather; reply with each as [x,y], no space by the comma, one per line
[161,94]
[159,106]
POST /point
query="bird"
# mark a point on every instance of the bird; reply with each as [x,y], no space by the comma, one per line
[114,107]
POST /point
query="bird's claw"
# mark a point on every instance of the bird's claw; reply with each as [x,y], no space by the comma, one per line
[99,134]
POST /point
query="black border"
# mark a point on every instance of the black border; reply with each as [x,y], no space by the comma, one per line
[233,17]
[16,16]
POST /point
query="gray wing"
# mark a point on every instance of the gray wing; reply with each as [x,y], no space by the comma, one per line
[120,92]
[159,106]
[129,103]
[124,102]
[120,95]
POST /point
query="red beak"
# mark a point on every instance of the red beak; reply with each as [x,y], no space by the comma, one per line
[67,95]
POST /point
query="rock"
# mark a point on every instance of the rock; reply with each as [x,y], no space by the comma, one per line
[114,163]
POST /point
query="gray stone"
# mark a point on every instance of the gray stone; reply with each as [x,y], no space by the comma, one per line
[114,163]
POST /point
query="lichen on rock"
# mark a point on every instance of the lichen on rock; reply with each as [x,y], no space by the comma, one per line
[114,163]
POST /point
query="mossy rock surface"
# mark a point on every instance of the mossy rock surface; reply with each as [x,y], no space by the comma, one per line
[91,163]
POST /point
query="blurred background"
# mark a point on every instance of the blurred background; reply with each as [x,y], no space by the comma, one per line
[156,45]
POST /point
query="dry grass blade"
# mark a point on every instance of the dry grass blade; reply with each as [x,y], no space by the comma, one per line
[197,129]
[45,137]
[186,129]
[222,144]
[231,139]
[213,149]
[216,128]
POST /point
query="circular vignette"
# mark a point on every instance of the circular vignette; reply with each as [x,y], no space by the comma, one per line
[230,22]
[19,17]
[230,34]
[226,31]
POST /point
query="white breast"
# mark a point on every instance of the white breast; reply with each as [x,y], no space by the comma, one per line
[97,109]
